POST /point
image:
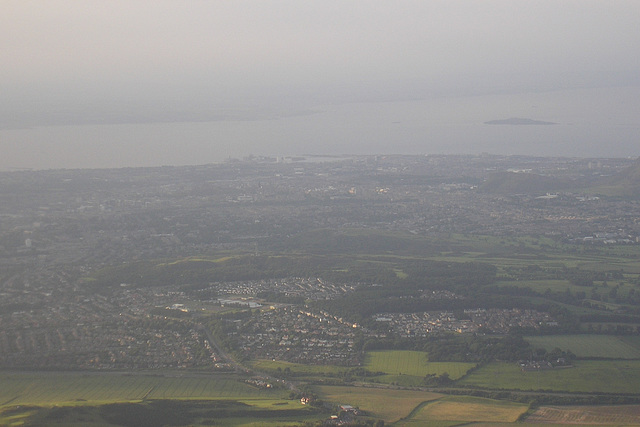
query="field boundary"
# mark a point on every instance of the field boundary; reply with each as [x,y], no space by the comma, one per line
[417,409]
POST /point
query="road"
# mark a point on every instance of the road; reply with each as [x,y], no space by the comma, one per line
[240,368]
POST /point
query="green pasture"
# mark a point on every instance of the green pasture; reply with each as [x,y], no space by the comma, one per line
[464,409]
[612,376]
[412,363]
[541,286]
[611,263]
[589,346]
[560,286]
[488,244]
[419,408]
[406,368]
[542,251]
[387,404]
[624,251]
[78,388]
[576,310]
[230,413]
[277,367]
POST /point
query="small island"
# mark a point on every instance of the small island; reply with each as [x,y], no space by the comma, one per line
[518,121]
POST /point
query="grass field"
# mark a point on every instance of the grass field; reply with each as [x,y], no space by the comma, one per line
[35,397]
[405,368]
[272,366]
[613,376]
[541,286]
[412,363]
[558,286]
[386,404]
[464,409]
[604,346]
[77,388]
[229,413]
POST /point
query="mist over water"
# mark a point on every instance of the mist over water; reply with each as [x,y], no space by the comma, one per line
[590,123]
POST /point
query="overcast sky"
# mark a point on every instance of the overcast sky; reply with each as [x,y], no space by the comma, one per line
[76,62]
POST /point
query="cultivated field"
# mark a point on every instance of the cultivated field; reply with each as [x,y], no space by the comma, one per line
[387,404]
[616,415]
[79,388]
[459,409]
[613,376]
[413,363]
[602,346]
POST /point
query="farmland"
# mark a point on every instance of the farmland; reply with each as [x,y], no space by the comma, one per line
[417,408]
[78,388]
[402,367]
[591,346]
[154,413]
[409,368]
[101,397]
[618,415]
[389,405]
[324,280]
[298,369]
[456,409]
[586,376]
[412,363]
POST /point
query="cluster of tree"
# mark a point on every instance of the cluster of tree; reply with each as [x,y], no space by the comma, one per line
[457,348]
[328,241]
[167,312]
[476,348]
[222,330]
[542,398]
[610,318]
[587,278]
[453,276]
[437,380]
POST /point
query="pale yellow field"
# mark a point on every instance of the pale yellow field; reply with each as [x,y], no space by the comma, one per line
[386,404]
[467,409]
[608,414]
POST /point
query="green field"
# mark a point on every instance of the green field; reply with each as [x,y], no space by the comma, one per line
[418,408]
[541,286]
[81,399]
[559,286]
[456,409]
[387,404]
[412,363]
[78,388]
[152,413]
[277,367]
[401,367]
[587,376]
[601,346]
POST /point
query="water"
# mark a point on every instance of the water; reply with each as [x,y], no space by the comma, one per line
[591,123]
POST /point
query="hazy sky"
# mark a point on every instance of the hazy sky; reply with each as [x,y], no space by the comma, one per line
[110,62]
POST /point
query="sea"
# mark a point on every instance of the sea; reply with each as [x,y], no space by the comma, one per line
[596,123]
